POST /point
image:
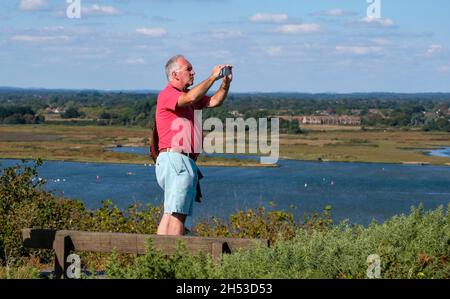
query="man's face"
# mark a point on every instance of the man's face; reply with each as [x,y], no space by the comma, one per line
[185,75]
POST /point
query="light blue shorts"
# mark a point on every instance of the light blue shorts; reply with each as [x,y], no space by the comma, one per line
[177,176]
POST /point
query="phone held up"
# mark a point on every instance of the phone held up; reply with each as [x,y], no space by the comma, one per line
[225,72]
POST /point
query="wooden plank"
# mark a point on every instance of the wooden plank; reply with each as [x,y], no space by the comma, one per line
[38,238]
[134,243]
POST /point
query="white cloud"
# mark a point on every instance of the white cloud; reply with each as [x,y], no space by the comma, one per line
[269,18]
[274,51]
[152,32]
[383,22]
[359,50]
[53,28]
[96,9]
[135,61]
[445,68]
[298,28]
[381,41]
[434,49]
[38,39]
[337,12]
[224,33]
[31,4]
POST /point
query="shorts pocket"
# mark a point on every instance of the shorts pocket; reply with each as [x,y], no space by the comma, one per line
[176,161]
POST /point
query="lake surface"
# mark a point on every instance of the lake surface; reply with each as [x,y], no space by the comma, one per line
[359,192]
[442,152]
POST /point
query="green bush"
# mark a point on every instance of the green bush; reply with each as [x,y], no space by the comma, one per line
[24,204]
[412,246]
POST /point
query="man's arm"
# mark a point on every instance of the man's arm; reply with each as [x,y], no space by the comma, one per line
[218,98]
[197,93]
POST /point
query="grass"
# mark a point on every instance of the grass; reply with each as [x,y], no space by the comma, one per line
[376,146]
[327,143]
[85,144]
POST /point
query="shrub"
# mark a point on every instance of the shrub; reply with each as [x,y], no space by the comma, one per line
[24,204]
[412,246]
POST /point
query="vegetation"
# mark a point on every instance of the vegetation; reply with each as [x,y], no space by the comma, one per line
[85,144]
[410,246]
[92,143]
[19,115]
[427,111]
[414,246]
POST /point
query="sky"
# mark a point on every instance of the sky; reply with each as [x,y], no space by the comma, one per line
[274,46]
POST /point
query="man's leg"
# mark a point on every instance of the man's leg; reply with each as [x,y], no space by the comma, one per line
[172,224]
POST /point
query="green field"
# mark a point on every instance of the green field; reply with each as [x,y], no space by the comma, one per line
[377,146]
[85,144]
[346,144]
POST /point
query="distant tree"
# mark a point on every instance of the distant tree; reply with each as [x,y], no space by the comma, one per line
[71,112]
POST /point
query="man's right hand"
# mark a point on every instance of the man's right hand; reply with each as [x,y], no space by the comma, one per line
[216,71]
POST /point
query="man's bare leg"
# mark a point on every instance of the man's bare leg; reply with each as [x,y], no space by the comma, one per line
[172,224]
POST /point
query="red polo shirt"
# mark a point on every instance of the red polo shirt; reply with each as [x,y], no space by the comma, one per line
[175,124]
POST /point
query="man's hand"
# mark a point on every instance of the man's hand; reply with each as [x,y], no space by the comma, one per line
[218,98]
[217,69]
[227,79]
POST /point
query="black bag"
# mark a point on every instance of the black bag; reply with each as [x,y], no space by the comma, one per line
[154,148]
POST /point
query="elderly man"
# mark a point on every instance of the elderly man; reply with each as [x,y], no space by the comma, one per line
[176,171]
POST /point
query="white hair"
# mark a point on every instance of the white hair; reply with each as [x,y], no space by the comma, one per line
[172,65]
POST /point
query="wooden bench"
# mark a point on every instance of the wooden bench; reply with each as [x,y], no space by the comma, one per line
[64,241]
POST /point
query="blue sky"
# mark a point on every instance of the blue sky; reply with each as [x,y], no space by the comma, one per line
[283,45]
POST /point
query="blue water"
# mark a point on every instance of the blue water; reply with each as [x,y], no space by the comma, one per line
[442,152]
[359,192]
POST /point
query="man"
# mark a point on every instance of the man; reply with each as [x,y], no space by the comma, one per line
[176,171]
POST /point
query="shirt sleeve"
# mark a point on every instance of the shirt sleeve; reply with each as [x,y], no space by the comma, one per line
[171,99]
[203,103]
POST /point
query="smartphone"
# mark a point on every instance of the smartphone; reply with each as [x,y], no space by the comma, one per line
[225,72]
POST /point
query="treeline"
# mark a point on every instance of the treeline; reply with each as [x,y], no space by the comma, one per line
[429,111]
[86,107]
[19,115]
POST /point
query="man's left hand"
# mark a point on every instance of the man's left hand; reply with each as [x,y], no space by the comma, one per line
[227,79]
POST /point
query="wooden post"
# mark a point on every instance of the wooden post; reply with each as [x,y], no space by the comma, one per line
[62,246]
[217,249]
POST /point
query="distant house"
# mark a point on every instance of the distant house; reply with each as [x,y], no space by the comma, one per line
[53,110]
[339,120]
[236,113]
